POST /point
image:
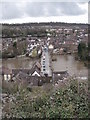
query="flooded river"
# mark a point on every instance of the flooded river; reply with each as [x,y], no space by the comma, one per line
[68,62]
[64,62]
[20,62]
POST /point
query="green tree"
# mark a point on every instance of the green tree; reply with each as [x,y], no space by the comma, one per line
[82,51]
[15,48]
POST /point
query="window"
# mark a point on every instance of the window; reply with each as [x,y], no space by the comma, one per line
[44,66]
[43,60]
[43,69]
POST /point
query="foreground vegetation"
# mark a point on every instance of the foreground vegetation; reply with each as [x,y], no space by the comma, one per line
[70,101]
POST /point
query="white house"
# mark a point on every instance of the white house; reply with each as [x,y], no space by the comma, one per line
[6,72]
[51,47]
[36,74]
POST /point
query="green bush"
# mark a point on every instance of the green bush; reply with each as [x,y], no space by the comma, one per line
[62,103]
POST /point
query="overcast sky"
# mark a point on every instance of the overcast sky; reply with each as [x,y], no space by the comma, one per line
[21,11]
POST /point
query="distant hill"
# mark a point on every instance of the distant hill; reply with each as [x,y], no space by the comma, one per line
[48,24]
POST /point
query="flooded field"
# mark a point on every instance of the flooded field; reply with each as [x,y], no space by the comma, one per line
[68,62]
[64,62]
[20,62]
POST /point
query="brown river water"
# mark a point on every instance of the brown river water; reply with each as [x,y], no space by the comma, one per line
[20,62]
[68,62]
[64,62]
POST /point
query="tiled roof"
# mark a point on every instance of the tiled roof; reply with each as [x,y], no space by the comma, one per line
[16,71]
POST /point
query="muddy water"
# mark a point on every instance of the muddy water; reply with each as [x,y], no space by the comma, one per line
[20,62]
[64,62]
[68,62]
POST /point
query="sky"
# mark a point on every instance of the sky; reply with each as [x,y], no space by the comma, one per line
[23,11]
